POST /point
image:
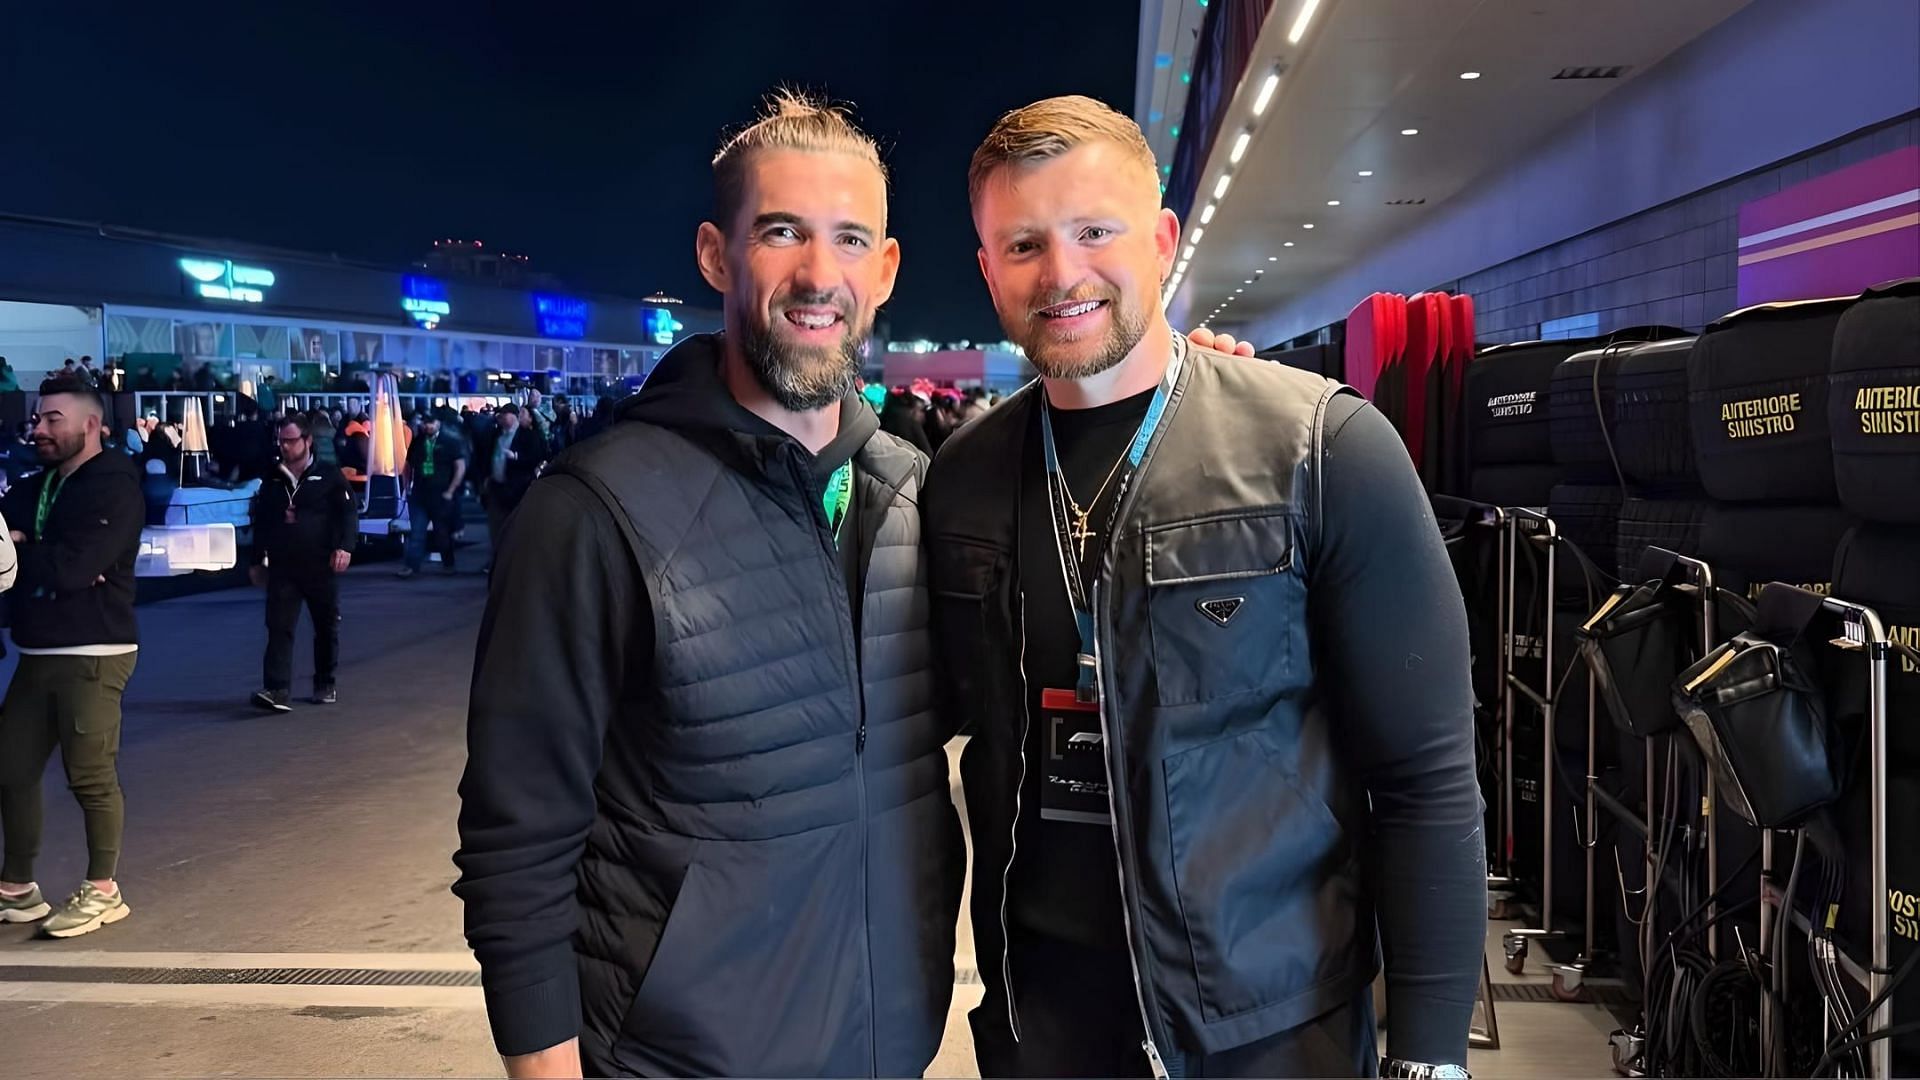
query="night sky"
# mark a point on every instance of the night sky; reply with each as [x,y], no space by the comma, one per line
[579,135]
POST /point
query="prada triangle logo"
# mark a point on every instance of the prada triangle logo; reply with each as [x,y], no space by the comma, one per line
[1221,609]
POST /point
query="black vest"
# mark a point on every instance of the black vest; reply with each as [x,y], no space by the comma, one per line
[771,883]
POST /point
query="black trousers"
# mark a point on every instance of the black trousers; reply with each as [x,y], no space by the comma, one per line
[288,588]
[1079,1017]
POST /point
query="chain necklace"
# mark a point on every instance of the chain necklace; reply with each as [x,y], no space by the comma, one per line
[1081,530]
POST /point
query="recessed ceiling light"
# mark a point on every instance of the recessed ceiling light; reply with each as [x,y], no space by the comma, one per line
[1333,202]
[1257,273]
[1240,147]
[1287,244]
[1366,172]
[1273,258]
[1308,225]
[1299,29]
[1249,281]
[1265,98]
[1220,189]
[1237,292]
[1194,236]
[1409,131]
[1469,75]
[1182,268]
[1187,254]
[1206,214]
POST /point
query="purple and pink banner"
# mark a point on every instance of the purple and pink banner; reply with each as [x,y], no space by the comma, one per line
[1833,235]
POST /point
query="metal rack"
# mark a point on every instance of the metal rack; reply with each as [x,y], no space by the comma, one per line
[1862,631]
[1568,978]
[1538,529]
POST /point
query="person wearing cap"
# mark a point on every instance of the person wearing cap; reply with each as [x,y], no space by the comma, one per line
[513,453]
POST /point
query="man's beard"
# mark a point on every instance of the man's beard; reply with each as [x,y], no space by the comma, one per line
[804,378]
[1126,326]
[54,453]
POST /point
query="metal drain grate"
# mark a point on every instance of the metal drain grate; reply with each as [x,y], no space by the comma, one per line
[1590,993]
[143,976]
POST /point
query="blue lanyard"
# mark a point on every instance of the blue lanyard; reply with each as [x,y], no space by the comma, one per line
[1086,687]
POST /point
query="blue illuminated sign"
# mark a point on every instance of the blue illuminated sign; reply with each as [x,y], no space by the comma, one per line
[662,326]
[425,299]
[222,279]
[560,316]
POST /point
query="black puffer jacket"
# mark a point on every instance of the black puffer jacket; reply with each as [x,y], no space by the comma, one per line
[703,826]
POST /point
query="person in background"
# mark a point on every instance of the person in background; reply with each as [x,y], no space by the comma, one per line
[76,529]
[305,524]
[538,414]
[355,441]
[512,456]
[326,446]
[601,417]
[566,426]
[904,417]
[943,418]
[436,468]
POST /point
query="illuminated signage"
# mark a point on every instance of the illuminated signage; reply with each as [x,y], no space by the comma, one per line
[222,279]
[560,316]
[662,326]
[425,299]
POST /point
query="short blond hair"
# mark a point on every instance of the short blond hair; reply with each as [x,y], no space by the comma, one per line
[789,120]
[1046,129]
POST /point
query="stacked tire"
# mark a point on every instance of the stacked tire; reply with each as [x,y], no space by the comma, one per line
[1666,505]
[1509,442]
[1874,409]
[1757,399]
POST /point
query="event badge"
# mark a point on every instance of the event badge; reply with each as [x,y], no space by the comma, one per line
[1073,782]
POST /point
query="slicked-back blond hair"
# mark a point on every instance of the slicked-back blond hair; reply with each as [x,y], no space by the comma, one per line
[1051,127]
[789,120]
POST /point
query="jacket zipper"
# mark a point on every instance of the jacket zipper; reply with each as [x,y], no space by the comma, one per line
[1019,792]
[1115,789]
[1119,856]
[831,551]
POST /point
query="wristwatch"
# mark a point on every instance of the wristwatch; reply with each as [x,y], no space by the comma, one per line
[1395,1069]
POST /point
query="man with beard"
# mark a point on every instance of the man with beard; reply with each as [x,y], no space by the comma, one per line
[76,526]
[1215,662]
[705,823]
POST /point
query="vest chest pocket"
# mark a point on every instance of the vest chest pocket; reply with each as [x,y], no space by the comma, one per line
[1225,603]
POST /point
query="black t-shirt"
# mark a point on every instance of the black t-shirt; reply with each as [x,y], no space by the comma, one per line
[1065,884]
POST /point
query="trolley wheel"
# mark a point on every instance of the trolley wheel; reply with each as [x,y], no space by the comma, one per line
[1500,908]
[1516,955]
[1568,988]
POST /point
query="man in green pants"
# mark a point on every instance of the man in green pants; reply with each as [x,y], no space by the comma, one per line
[76,526]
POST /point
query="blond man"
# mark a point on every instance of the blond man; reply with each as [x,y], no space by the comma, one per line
[1215,666]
